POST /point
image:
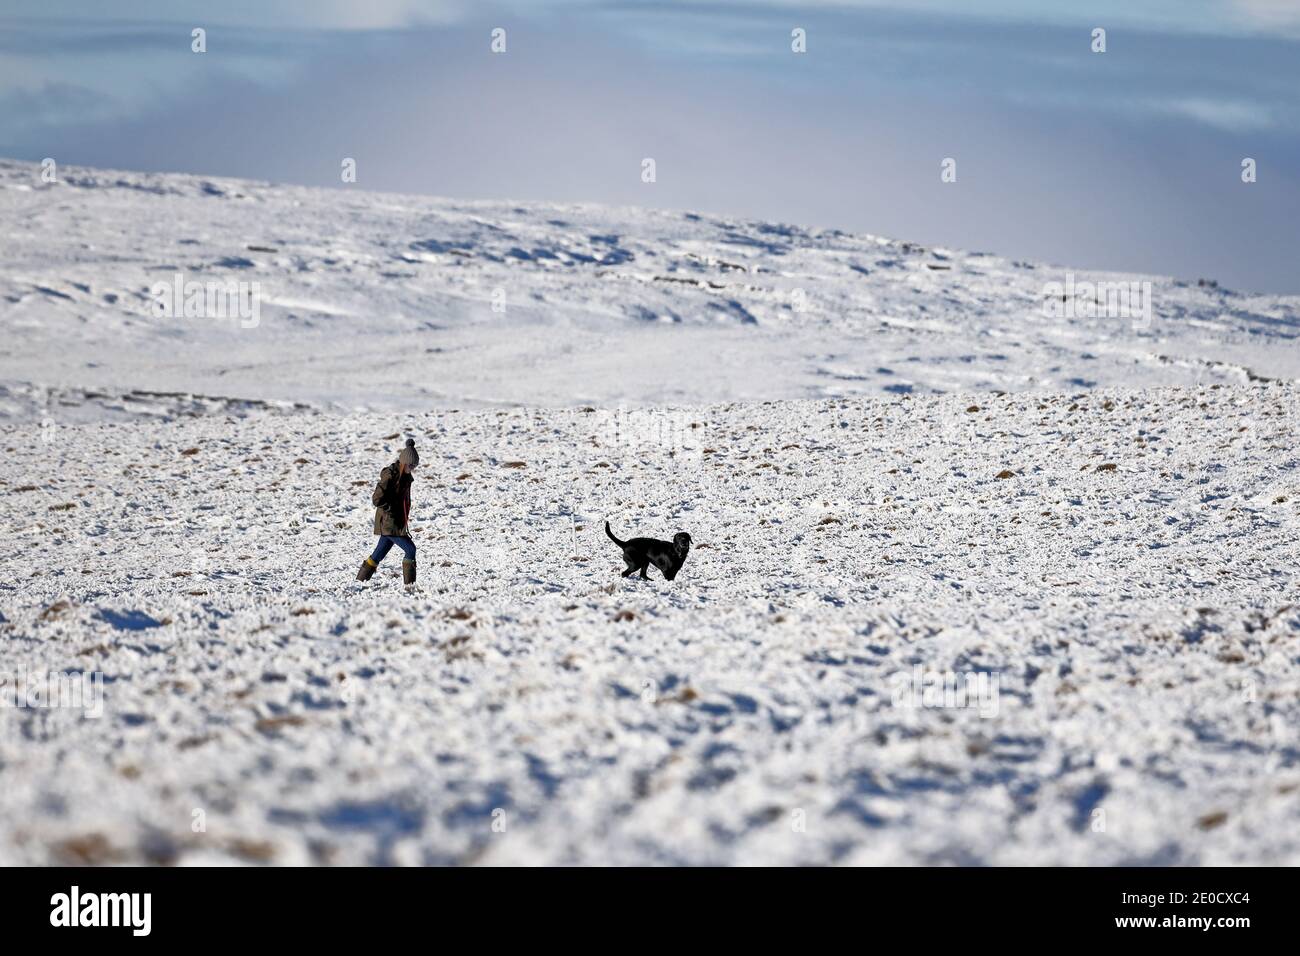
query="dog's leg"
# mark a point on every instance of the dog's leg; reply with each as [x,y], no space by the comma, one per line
[643,570]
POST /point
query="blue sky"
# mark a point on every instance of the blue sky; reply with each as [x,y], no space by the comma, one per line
[1128,159]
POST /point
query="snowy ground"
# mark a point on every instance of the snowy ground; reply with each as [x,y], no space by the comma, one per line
[1140,623]
[918,476]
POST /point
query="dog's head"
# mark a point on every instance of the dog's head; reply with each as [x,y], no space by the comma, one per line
[681,545]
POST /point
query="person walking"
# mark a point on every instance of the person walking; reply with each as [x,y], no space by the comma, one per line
[392,501]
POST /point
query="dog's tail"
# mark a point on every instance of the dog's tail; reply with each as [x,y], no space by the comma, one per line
[611,536]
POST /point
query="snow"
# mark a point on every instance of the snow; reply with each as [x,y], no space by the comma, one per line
[374,301]
[173,522]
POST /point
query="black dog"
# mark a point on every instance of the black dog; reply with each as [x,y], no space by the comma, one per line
[640,553]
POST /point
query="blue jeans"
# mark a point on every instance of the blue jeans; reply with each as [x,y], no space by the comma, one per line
[386,542]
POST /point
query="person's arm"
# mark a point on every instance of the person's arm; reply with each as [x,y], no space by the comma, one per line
[384,488]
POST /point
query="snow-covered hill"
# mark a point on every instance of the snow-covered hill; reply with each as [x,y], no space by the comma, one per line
[407,303]
[1092,531]
[1120,566]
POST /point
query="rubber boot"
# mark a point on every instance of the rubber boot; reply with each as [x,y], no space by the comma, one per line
[367,569]
[408,572]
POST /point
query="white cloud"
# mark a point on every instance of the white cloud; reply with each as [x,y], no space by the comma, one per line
[1275,13]
[1235,116]
[283,14]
